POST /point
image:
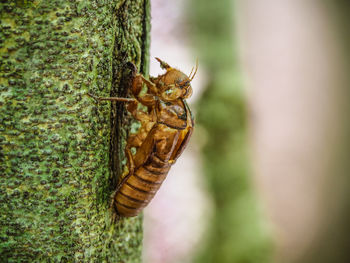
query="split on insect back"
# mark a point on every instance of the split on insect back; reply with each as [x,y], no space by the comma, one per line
[166,127]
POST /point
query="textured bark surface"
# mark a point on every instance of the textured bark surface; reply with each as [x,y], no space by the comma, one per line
[55,142]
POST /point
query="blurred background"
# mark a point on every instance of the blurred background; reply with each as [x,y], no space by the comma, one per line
[265,177]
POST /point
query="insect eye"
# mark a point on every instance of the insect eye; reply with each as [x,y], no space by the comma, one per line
[183,84]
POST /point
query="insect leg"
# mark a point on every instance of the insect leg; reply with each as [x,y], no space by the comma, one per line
[131,164]
[150,85]
[131,168]
[163,64]
[111,98]
[138,81]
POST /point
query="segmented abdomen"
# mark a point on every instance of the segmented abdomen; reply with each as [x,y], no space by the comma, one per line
[139,189]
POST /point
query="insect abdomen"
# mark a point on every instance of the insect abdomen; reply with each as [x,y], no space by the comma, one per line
[139,189]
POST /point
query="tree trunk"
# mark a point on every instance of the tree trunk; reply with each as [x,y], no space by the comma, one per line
[60,153]
[236,233]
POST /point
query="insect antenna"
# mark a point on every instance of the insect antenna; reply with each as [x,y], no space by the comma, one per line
[191,72]
[194,74]
[186,82]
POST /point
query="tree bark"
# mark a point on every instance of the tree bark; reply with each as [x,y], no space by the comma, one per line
[60,152]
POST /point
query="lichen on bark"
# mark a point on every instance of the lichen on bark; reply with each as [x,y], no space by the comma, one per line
[55,160]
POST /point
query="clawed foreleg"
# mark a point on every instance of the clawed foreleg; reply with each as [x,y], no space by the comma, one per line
[111,98]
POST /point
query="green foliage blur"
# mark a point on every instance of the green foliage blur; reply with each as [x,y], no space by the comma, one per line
[237,232]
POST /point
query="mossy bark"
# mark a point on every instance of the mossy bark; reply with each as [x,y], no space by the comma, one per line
[57,147]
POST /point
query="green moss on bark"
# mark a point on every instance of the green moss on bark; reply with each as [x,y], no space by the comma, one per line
[54,141]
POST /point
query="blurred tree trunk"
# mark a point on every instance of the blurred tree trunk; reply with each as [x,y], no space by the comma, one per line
[236,233]
[60,153]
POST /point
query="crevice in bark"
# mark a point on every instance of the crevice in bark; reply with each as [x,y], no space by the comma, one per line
[118,113]
[146,37]
[121,81]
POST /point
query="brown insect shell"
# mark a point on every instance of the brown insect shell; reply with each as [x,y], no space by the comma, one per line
[159,145]
[172,85]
